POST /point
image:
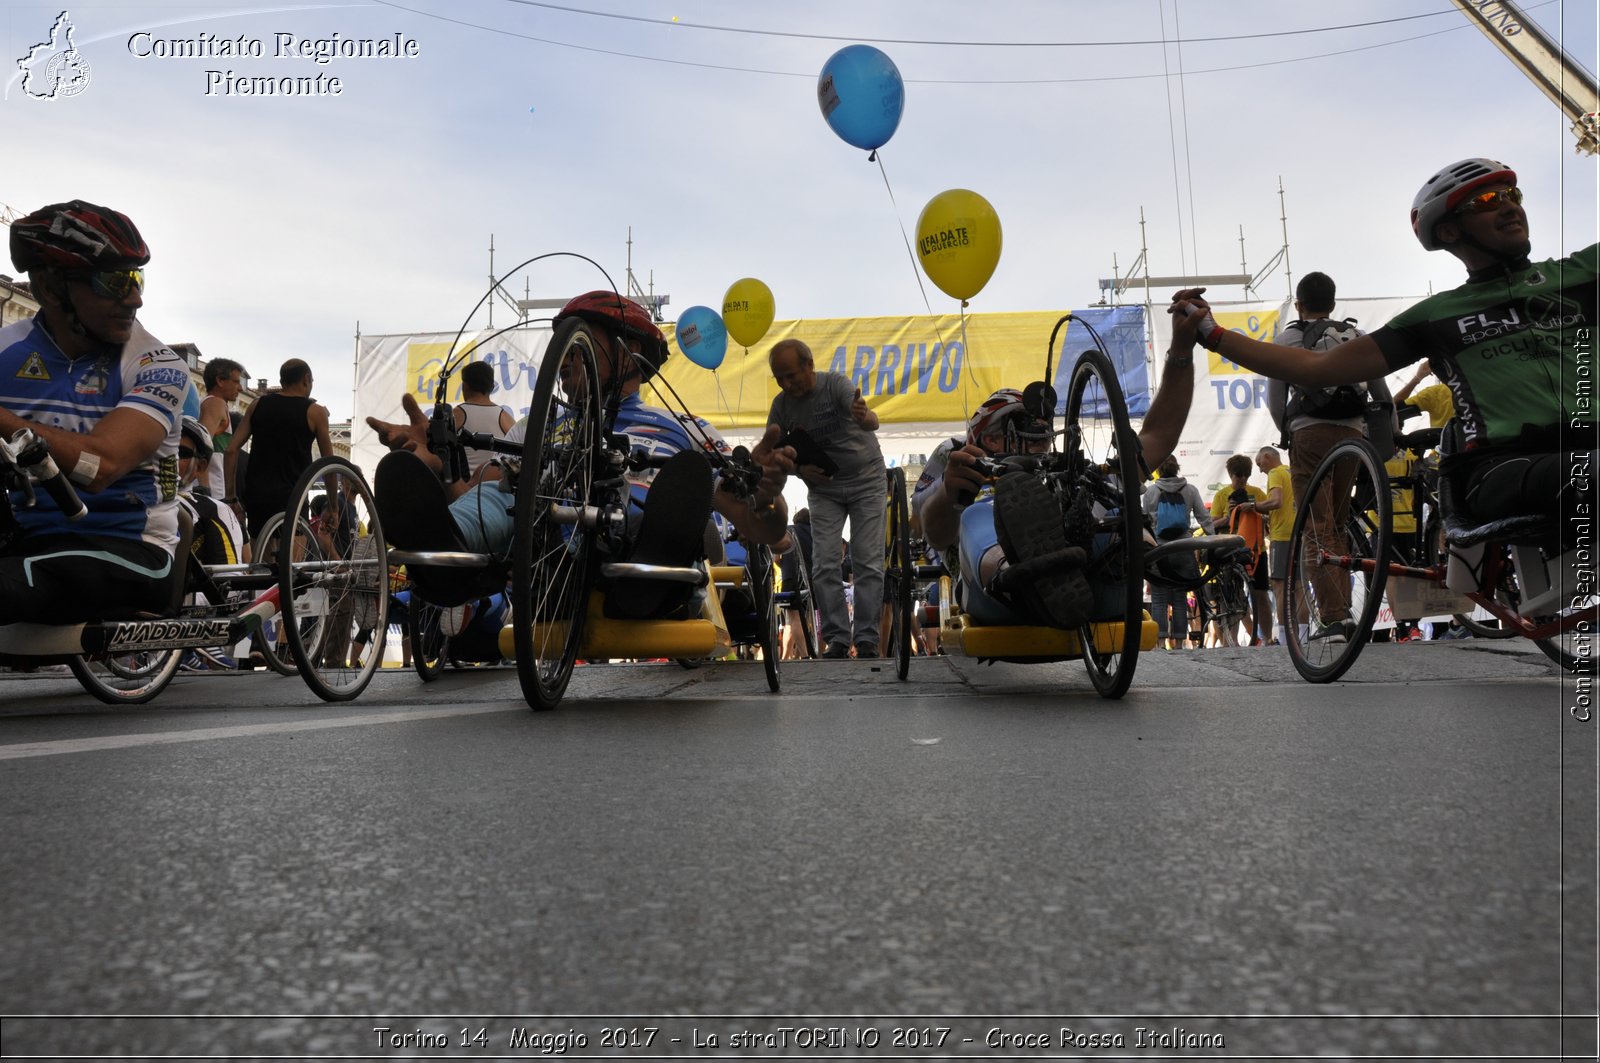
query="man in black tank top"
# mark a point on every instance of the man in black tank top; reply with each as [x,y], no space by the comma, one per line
[283,424]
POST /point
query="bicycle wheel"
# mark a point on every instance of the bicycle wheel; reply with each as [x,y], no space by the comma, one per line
[128,678]
[271,641]
[330,580]
[897,574]
[804,609]
[428,640]
[553,560]
[1105,453]
[758,573]
[1338,554]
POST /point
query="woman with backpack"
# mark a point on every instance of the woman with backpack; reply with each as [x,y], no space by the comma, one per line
[1171,500]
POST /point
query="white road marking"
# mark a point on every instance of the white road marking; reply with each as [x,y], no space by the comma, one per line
[165,738]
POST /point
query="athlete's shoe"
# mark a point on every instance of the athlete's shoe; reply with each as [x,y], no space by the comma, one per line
[1332,631]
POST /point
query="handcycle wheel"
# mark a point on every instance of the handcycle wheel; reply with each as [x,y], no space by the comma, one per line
[270,641]
[1099,431]
[327,579]
[1346,513]
[428,641]
[898,575]
[553,561]
[758,573]
[126,679]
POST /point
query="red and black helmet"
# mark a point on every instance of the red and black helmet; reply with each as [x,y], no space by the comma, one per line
[76,235]
[618,313]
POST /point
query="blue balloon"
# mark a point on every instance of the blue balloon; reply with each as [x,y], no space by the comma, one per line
[702,336]
[861,96]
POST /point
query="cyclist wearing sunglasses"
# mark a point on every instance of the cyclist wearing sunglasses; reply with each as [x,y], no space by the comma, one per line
[1513,344]
[106,396]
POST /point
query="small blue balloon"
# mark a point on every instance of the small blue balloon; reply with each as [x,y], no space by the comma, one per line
[702,336]
[861,96]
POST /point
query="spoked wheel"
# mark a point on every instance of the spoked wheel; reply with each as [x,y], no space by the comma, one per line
[807,609]
[126,679]
[758,574]
[428,640]
[1099,431]
[271,641]
[1338,556]
[898,575]
[553,565]
[330,581]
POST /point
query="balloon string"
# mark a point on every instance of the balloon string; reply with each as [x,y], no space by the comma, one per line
[966,352]
[912,255]
[917,273]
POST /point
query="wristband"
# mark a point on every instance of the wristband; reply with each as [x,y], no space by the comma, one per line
[86,468]
[1180,361]
[1209,333]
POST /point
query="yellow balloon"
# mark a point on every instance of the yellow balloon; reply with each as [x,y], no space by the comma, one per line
[747,310]
[958,242]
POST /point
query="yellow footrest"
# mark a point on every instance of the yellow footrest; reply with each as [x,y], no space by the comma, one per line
[605,638]
[959,635]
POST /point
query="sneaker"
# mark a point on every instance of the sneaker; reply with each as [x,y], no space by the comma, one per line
[837,652]
[1452,632]
[1333,632]
[865,650]
[454,619]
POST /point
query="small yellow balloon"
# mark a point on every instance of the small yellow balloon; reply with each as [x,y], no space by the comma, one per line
[747,310]
[958,242]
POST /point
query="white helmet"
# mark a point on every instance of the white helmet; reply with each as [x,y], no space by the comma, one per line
[1444,191]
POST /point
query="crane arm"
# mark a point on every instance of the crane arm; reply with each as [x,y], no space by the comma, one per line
[1544,62]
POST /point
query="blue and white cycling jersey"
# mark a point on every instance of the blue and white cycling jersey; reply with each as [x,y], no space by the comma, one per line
[40,383]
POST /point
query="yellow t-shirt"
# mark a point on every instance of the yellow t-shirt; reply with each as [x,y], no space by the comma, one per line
[1435,401]
[1280,522]
[1402,516]
[1219,504]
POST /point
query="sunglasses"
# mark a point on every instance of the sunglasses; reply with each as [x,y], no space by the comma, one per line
[1484,202]
[185,452]
[114,283]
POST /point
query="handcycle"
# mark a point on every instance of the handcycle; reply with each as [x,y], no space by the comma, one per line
[570,528]
[1343,550]
[902,575]
[1096,482]
[129,657]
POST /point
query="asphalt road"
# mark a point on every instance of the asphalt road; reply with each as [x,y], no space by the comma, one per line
[968,863]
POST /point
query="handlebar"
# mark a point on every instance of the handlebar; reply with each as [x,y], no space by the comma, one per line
[31,455]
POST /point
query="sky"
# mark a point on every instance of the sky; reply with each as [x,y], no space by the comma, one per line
[281,225]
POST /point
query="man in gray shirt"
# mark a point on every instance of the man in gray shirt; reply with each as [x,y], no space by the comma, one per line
[831,411]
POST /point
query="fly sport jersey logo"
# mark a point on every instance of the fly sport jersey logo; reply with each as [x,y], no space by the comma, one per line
[54,68]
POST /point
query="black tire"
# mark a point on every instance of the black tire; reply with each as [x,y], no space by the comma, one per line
[270,641]
[327,585]
[429,643]
[898,574]
[126,679]
[1108,467]
[799,600]
[758,574]
[553,558]
[1358,527]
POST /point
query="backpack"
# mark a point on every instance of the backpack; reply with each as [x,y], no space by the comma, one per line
[1335,404]
[1252,528]
[1172,516]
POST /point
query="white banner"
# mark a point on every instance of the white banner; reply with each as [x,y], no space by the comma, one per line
[388,367]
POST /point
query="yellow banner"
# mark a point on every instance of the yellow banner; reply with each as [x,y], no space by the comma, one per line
[1257,324]
[908,368]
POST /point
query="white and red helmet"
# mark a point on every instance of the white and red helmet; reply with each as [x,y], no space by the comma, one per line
[1444,191]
